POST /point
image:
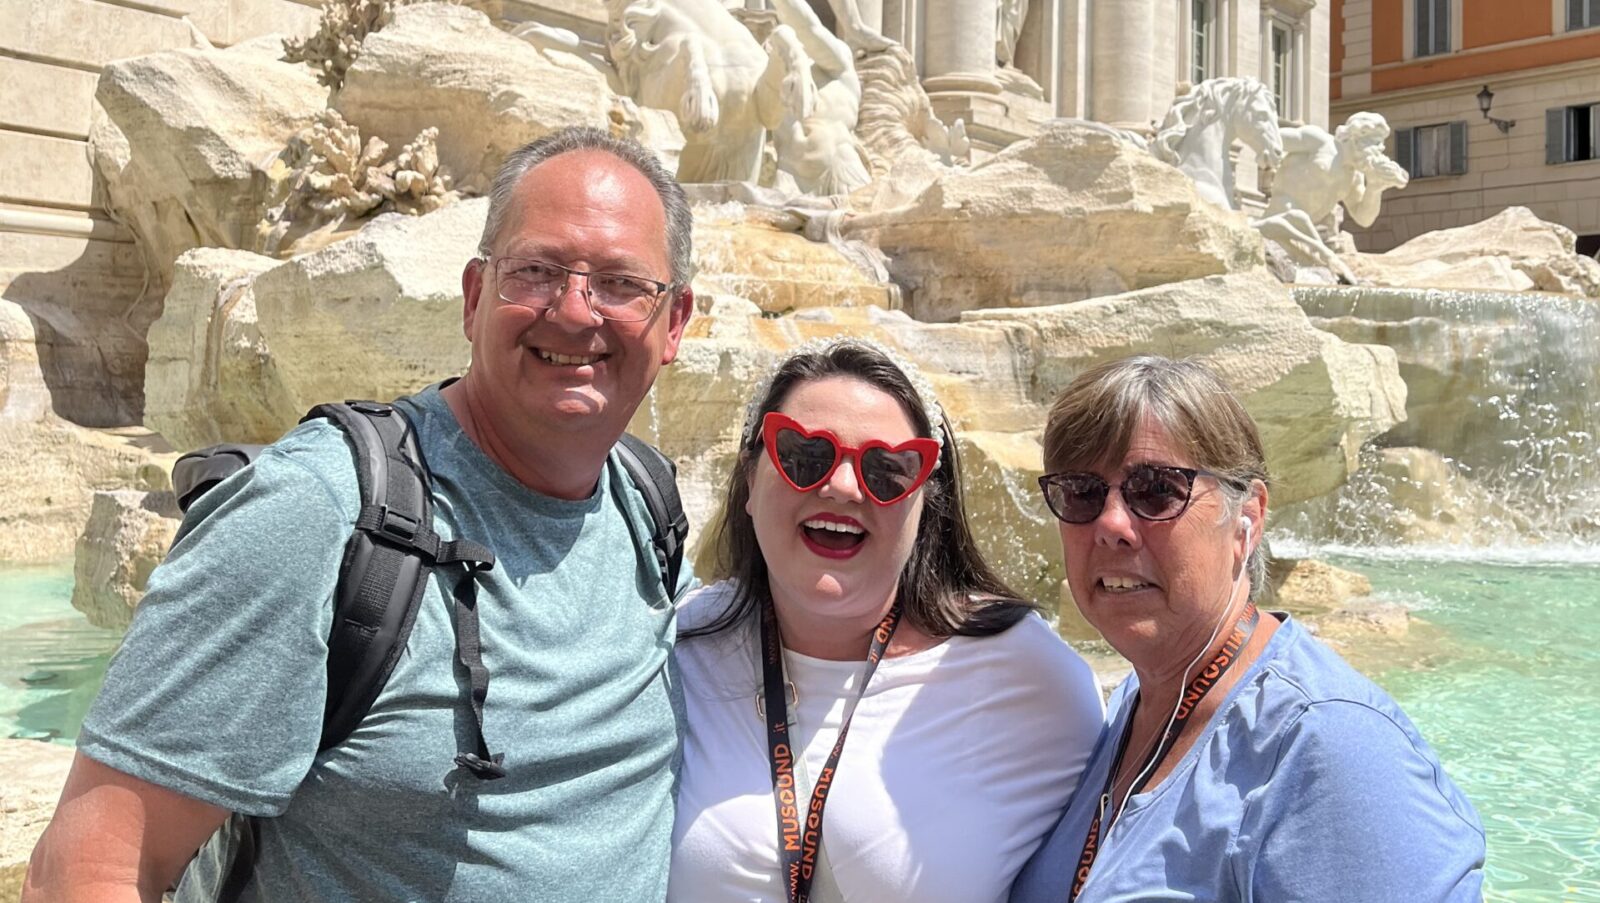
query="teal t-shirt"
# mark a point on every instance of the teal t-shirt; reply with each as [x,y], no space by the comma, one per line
[219,687]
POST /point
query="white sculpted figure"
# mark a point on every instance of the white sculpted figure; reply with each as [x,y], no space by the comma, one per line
[694,58]
[853,29]
[1202,125]
[1008,19]
[1322,171]
[821,101]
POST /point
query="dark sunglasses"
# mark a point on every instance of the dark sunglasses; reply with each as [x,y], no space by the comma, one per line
[808,458]
[1152,492]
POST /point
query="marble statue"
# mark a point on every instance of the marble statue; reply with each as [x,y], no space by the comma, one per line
[1201,126]
[815,135]
[1008,18]
[1321,171]
[897,118]
[694,58]
[852,28]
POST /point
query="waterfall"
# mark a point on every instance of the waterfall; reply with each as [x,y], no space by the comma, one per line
[1503,386]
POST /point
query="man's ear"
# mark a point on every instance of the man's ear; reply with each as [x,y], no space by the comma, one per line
[471,291]
[678,314]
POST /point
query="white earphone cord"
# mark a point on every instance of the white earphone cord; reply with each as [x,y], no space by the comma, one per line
[1233,593]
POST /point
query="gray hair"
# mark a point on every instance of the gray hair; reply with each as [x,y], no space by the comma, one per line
[1093,421]
[680,221]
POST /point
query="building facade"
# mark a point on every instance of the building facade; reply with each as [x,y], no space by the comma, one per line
[1494,104]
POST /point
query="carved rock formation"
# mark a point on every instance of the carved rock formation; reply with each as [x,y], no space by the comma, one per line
[448,67]
[1512,250]
[126,536]
[344,25]
[328,177]
[34,774]
[185,142]
[1070,214]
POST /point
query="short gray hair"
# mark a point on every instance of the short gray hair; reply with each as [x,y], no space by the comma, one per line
[1093,421]
[680,221]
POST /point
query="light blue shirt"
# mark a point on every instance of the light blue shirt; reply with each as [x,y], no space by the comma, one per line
[218,689]
[1308,784]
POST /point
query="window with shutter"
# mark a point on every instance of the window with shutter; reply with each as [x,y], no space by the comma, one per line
[1405,143]
[1427,151]
[1432,27]
[1582,14]
[1458,148]
[1555,136]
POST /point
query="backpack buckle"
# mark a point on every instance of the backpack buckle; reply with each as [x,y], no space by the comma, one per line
[397,526]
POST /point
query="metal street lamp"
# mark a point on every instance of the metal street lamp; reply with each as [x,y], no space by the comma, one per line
[1485,101]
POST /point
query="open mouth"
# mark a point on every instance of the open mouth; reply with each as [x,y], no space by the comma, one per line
[1123,584]
[567,360]
[832,538]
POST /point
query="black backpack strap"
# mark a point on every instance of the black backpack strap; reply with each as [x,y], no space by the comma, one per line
[657,480]
[386,567]
[197,472]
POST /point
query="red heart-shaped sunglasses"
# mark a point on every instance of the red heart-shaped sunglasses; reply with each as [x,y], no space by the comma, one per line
[808,458]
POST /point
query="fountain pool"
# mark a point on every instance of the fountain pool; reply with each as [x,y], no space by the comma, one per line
[1504,688]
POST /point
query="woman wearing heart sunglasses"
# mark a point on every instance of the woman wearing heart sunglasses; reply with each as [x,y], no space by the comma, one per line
[856,605]
[1242,760]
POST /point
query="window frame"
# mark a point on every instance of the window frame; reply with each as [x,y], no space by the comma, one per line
[1430,37]
[1563,135]
[1408,148]
[1202,41]
[1590,14]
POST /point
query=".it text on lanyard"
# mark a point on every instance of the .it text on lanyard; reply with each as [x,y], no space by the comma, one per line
[1192,694]
[798,843]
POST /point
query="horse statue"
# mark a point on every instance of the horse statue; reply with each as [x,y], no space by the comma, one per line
[1321,171]
[1202,125]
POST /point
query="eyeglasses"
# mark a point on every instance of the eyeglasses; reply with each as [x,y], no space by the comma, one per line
[808,458]
[540,284]
[1152,492]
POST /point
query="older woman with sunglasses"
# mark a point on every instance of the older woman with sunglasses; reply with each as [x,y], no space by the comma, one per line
[1242,760]
[857,606]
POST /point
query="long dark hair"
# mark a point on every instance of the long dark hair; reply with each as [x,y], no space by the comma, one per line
[946,588]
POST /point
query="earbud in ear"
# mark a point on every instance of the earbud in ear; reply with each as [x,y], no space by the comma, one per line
[1244,524]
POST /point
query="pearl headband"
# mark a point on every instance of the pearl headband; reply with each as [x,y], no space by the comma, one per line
[919,383]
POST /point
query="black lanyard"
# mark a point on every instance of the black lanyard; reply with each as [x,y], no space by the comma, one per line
[1196,691]
[797,844]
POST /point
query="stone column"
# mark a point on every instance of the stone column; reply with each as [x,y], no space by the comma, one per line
[959,68]
[959,48]
[1122,59]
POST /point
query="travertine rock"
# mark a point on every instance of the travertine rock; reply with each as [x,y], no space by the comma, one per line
[24,396]
[34,774]
[211,377]
[374,316]
[1543,254]
[126,536]
[185,140]
[1073,213]
[49,469]
[447,67]
[1305,586]
[739,253]
[1316,398]
[337,41]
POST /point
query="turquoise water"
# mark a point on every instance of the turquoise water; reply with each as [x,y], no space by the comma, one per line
[1508,693]
[1502,675]
[51,659]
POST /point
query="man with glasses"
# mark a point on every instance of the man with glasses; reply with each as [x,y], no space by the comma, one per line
[215,703]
